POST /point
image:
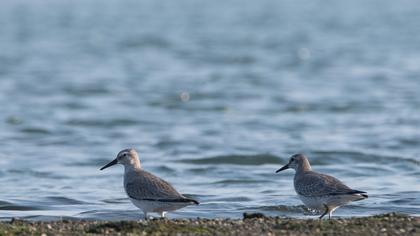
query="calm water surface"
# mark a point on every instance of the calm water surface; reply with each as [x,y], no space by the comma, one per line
[214,95]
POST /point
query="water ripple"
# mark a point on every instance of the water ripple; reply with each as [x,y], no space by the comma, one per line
[258,159]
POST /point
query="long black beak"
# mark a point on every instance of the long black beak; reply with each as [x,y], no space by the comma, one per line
[114,162]
[283,168]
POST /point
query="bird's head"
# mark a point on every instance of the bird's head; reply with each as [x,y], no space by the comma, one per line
[127,158]
[297,162]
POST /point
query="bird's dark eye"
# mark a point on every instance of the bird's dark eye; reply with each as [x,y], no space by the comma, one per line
[125,154]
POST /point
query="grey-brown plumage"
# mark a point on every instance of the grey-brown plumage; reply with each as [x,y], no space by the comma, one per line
[145,190]
[310,183]
[320,191]
[141,185]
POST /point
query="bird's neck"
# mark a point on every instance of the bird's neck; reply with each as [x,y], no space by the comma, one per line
[133,166]
[304,167]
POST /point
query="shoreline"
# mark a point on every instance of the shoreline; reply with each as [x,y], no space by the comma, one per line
[251,224]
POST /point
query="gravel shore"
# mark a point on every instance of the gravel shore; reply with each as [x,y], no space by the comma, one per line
[251,224]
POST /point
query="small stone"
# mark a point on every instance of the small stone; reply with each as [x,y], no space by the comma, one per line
[253,215]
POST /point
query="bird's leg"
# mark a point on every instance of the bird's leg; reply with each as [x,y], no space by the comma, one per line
[330,213]
[325,212]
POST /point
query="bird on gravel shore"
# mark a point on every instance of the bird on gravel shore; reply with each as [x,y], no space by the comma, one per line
[319,191]
[145,190]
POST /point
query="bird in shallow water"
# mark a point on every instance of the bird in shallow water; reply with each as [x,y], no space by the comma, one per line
[145,190]
[319,191]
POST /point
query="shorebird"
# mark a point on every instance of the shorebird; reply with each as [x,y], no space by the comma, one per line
[319,191]
[145,190]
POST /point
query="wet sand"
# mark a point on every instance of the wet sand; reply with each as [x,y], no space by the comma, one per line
[251,224]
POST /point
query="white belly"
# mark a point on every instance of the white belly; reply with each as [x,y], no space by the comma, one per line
[316,203]
[332,201]
[155,206]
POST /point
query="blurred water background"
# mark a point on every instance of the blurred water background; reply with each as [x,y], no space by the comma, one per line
[215,96]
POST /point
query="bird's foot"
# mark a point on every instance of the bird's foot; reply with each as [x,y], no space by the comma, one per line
[325,212]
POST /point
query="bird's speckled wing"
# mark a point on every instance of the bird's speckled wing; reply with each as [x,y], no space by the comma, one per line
[143,185]
[315,184]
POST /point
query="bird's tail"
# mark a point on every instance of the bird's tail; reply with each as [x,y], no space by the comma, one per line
[362,195]
[192,201]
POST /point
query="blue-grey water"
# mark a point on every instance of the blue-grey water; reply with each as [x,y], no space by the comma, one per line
[215,96]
